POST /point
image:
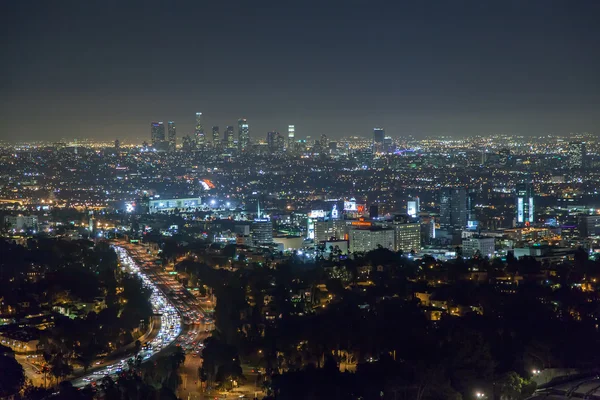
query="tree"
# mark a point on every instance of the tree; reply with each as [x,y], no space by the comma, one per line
[511,386]
[12,376]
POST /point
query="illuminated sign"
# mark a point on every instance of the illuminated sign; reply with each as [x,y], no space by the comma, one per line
[317,214]
[411,208]
[531,209]
[520,210]
[130,207]
[207,184]
[350,205]
[361,223]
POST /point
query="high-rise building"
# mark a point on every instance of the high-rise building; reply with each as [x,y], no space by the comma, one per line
[199,132]
[275,142]
[228,138]
[577,154]
[589,225]
[216,137]
[262,231]
[453,208]
[327,229]
[478,246]
[157,135]
[324,141]
[525,204]
[172,135]
[187,143]
[364,240]
[378,137]
[291,137]
[117,145]
[407,235]
[243,134]
[388,144]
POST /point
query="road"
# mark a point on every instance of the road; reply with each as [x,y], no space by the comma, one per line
[169,329]
[197,325]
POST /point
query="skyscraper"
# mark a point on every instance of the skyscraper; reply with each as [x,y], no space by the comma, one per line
[228,139]
[324,141]
[275,142]
[157,135]
[172,136]
[199,131]
[577,153]
[216,137]
[243,134]
[525,204]
[453,208]
[388,144]
[291,136]
[378,137]
[262,229]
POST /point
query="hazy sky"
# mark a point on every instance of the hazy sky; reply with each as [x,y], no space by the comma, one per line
[106,69]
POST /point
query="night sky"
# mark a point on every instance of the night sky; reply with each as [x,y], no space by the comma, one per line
[106,69]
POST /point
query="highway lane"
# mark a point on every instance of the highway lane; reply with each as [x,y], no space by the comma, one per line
[170,325]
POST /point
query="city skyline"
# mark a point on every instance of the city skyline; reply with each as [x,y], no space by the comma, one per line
[510,68]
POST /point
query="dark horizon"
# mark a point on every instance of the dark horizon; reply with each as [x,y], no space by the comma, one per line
[460,68]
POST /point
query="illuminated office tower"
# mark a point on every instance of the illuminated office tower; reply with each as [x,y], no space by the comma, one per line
[157,134]
[291,136]
[243,134]
[378,137]
[216,137]
[407,235]
[199,131]
[525,206]
[228,138]
[172,135]
[576,154]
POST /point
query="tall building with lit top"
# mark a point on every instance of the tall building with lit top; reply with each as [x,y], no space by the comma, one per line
[291,136]
[172,134]
[199,132]
[216,137]
[262,229]
[525,204]
[243,134]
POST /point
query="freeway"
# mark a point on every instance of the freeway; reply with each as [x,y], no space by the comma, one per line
[170,326]
[196,318]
